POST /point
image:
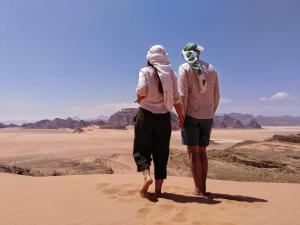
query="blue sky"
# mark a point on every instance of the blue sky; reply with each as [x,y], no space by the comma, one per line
[64,58]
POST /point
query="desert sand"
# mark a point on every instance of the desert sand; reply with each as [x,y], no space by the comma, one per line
[113,199]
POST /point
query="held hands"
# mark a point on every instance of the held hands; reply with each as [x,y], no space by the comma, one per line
[181,120]
[180,114]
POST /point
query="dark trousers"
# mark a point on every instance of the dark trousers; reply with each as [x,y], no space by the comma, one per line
[152,139]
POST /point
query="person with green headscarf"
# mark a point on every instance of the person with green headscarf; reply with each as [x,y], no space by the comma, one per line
[199,89]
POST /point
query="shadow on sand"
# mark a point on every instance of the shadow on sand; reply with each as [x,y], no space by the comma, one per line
[188,199]
[239,198]
[211,199]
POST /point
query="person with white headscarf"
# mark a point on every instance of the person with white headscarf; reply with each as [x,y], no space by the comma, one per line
[157,94]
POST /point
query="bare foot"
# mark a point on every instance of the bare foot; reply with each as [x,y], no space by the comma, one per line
[144,189]
[198,193]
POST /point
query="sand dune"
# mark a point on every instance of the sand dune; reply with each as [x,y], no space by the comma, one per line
[113,199]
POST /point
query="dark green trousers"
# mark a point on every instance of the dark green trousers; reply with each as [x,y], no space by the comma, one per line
[152,141]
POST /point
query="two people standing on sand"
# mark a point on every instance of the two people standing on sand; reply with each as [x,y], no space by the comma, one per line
[195,99]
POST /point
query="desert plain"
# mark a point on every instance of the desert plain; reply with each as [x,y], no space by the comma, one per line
[58,177]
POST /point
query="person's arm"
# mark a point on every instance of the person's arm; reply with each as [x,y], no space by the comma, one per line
[141,89]
[216,93]
[177,101]
[183,88]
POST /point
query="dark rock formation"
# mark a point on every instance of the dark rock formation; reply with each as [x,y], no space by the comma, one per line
[62,167]
[219,122]
[231,122]
[3,125]
[125,117]
[253,124]
[6,126]
[243,118]
[226,122]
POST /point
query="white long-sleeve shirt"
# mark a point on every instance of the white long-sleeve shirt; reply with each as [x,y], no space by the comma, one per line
[148,87]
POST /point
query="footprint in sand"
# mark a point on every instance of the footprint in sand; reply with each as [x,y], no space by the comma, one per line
[181,215]
[111,190]
[166,207]
[128,193]
[143,212]
[102,185]
[121,192]
[162,223]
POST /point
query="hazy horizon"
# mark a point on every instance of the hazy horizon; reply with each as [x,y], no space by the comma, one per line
[65,58]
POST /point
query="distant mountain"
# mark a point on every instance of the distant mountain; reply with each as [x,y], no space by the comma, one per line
[124,117]
[253,124]
[16,122]
[268,120]
[243,118]
[61,123]
[2,125]
[278,120]
[227,121]
[7,125]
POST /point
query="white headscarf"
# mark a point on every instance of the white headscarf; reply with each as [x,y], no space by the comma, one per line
[158,57]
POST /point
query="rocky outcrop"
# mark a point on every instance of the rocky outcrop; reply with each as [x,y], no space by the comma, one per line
[293,138]
[46,167]
[125,117]
[243,162]
[253,124]
[227,122]
[219,122]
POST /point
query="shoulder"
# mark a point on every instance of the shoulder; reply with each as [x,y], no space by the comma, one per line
[208,67]
[146,70]
[184,66]
[184,69]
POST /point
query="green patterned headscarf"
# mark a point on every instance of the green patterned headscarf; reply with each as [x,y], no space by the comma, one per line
[191,54]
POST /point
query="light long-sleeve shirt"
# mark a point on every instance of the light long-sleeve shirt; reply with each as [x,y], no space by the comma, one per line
[148,87]
[199,106]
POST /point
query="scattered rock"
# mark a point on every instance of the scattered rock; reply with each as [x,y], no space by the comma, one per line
[78,130]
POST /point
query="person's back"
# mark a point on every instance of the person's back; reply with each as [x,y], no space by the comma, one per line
[199,105]
[148,87]
[157,94]
[199,89]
